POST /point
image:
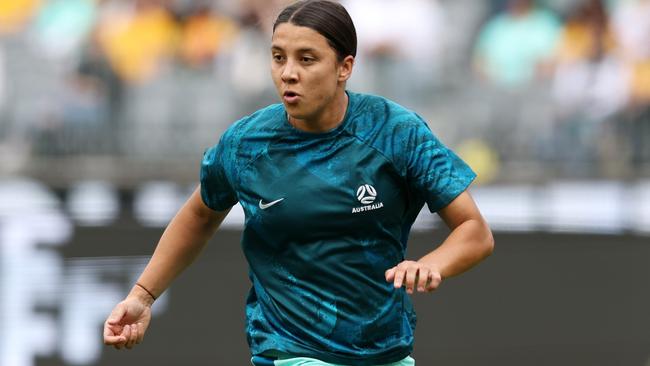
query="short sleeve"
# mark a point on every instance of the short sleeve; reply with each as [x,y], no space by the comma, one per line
[216,189]
[434,172]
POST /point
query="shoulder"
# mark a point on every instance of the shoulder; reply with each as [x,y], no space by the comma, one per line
[266,119]
[389,128]
[375,116]
[247,137]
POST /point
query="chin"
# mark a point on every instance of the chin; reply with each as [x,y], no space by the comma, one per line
[295,112]
[296,116]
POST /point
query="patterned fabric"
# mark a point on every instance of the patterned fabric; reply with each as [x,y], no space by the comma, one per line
[263,361]
[305,361]
[326,214]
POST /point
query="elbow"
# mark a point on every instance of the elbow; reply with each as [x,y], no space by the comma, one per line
[482,240]
[488,242]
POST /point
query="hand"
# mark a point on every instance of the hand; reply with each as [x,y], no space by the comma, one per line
[410,274]
[128,322]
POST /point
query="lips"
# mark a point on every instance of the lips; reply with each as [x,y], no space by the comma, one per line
[291,97]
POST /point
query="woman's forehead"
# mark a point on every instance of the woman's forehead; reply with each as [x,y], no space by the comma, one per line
[290,37]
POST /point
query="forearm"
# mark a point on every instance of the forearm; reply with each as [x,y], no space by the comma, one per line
[468,244]
[182,241]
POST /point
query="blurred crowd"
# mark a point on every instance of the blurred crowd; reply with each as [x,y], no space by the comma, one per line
[522,89]
[592,60]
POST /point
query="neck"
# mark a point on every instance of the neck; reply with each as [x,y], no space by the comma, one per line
[328,119]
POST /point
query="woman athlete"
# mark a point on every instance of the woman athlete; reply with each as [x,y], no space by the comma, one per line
[331,182]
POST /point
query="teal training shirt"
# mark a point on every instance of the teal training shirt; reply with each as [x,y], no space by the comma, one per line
[326,214]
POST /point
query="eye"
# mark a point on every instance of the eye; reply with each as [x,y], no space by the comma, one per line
[278,57]
[307,59]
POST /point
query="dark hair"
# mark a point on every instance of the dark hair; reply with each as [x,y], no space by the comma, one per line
[326,17]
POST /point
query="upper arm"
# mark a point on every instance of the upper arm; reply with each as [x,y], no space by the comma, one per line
[461,209]
[216,176]
[196,205]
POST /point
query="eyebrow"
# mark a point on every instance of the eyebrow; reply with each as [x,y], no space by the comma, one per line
[300,50]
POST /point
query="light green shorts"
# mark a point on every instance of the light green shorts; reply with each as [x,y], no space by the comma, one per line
[306,361]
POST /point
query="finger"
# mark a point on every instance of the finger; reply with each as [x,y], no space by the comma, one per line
[122,342]
[129,340]
[434,282]
[141,330]
[423,278]
[113,330]
[134,335]
[127,335]
[399,278]
[411,273]
[390,275]
[112,340]
[117,314]
[135,330]
[108,332]
[110,336]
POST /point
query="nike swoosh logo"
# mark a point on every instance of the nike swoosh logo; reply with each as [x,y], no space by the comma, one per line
[264,206]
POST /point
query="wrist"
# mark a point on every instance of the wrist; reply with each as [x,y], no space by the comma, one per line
[142,294]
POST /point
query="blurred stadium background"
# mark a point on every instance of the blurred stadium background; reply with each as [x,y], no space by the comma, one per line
[106,107]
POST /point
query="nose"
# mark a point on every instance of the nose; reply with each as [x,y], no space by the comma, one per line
[289,72]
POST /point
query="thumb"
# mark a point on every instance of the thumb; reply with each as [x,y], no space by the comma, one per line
[117,314]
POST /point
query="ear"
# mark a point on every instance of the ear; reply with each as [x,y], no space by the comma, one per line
[345,68]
